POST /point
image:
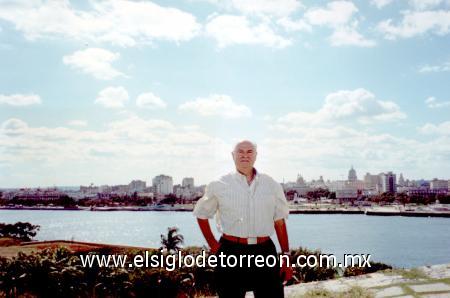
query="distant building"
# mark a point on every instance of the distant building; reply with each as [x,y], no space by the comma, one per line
[188,182]
[318,183]
[137,186]
[299,186]
[347,189]
[346,194]
[437,184]
[352,175]
[163,184]
[401,180]
[371,181]
[46,194]
[388,182]
[424,191]
[300,180]
[345,185]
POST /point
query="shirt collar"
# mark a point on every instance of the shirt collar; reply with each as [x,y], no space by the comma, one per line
[242,177]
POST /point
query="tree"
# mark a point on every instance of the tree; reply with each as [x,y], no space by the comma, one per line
[402,198]
[387,197]
[66,201]
[173,240]
[23,231]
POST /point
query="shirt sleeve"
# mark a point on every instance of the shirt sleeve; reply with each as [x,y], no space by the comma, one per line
[206,207]
[281,205]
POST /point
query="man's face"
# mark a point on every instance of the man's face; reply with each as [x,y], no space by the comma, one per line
[244,156]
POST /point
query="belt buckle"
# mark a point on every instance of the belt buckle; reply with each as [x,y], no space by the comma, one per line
[252,240]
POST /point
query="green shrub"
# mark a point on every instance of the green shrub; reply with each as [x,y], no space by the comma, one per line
[307,274]
[374,266]
[23,231]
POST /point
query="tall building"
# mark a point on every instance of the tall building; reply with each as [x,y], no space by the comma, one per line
[388,182]
[371,181]
[352,175]
[401,180]
[188,182]
[163,184]
[137,185]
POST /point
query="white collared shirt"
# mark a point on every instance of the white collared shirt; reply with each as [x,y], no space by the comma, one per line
[243,210]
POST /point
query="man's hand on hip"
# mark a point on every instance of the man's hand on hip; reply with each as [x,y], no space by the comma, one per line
[286,272]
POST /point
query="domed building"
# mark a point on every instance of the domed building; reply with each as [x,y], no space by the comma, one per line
[300,180]
[352,175]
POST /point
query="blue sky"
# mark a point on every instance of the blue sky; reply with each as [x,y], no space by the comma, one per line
[110,91]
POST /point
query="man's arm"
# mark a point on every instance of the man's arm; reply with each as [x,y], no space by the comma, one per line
[286,270]
[280,228]
[207,233]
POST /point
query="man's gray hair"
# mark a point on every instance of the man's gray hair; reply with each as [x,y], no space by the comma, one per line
[245,141]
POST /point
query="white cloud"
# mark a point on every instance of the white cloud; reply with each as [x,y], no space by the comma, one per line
[432,102]
[123,150]
[380,3]
[79,123]
[120,22]
[432,129]
[327,141]
[20,99]
[262,8]
[266,7]
[435,68]
[339,16]
[150,101]
[329,151]
[217,105]
[417,23]
[229,30]
[344,106]
[348,36]
[335,14]
[14,127]
[95,62]
[424,4]
[362,105]
[112,97]
[133,126]
[290,25]
[416,4]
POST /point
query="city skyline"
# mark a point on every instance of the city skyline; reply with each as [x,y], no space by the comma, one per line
[150,180]
[113,90]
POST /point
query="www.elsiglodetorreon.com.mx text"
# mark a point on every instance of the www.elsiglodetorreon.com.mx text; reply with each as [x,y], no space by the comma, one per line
[172,261]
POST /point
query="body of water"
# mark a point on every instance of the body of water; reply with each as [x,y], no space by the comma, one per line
[399,241]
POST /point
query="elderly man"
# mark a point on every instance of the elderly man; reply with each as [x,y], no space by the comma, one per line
[250,207]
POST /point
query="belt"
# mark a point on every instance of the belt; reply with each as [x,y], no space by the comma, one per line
[250,240]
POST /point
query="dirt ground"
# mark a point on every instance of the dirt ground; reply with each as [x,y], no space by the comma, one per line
[11,247]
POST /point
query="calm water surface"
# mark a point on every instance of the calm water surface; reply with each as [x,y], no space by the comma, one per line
[401,241]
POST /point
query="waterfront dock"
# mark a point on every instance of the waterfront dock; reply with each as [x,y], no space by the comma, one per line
[423,211]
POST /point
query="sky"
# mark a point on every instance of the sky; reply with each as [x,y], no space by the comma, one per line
[105,92]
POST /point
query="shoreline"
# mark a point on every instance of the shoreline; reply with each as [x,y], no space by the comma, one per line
[379,211]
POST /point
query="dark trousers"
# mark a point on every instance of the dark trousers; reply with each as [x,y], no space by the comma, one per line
[234,282]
